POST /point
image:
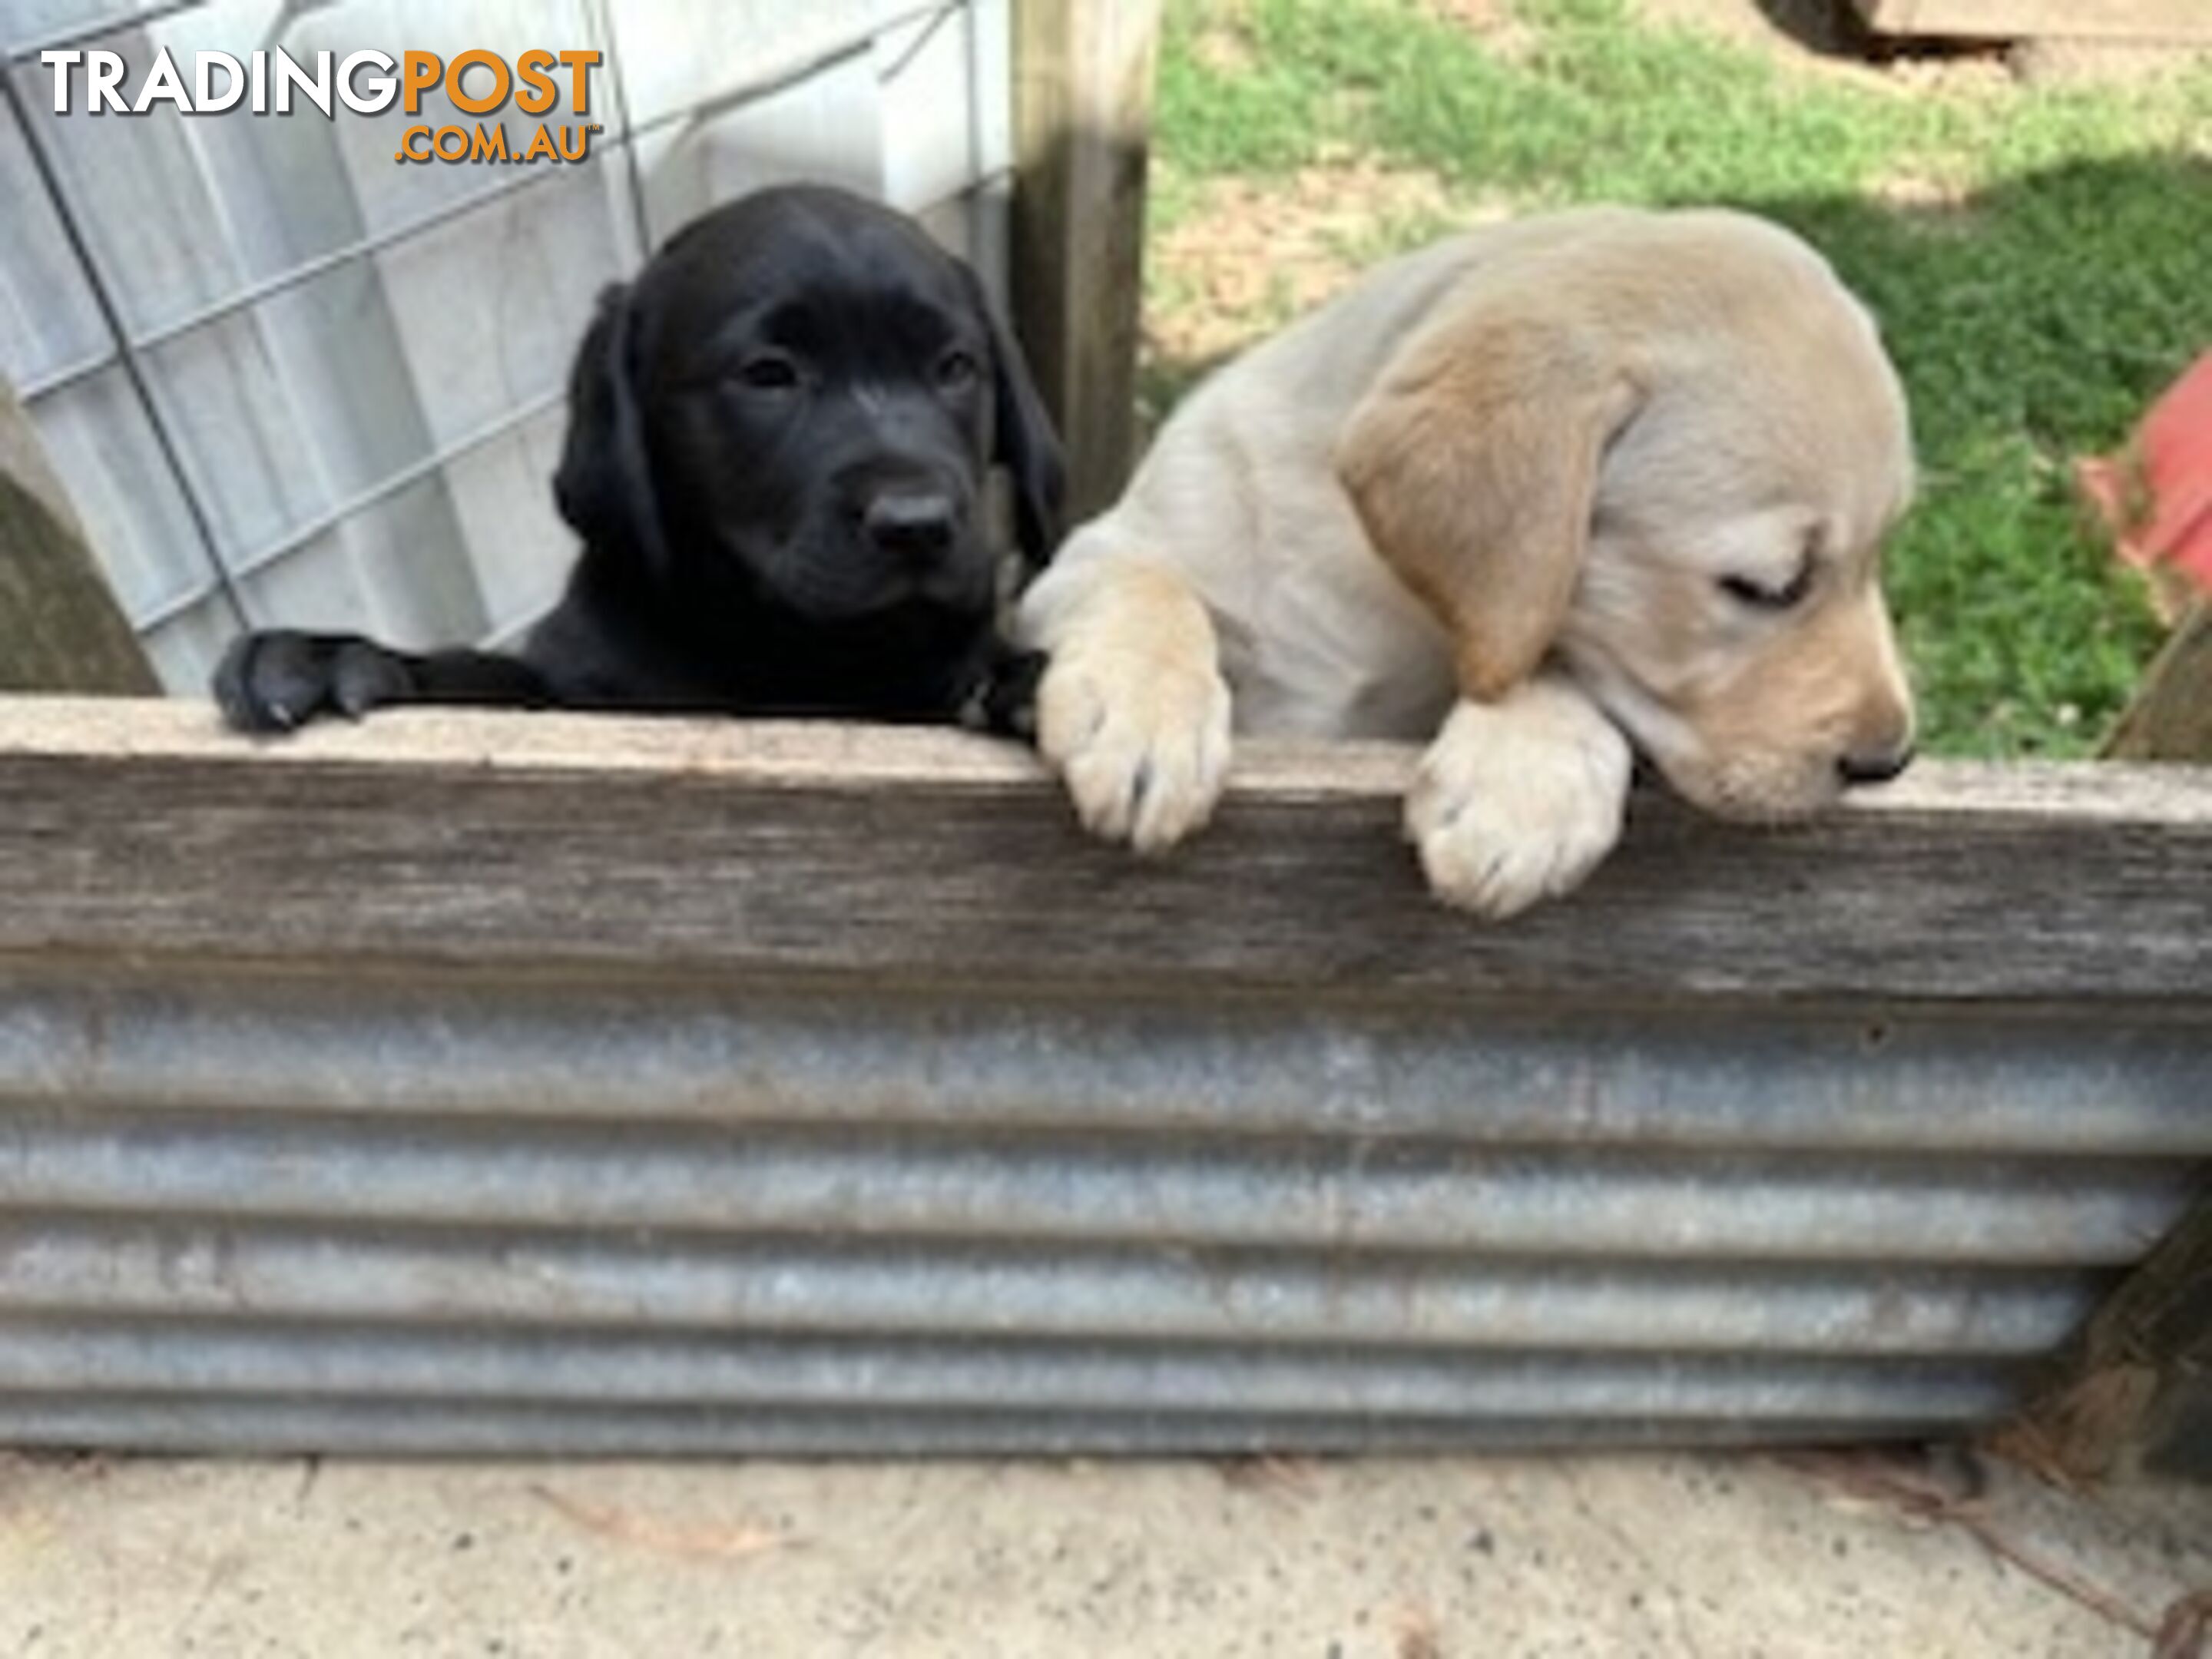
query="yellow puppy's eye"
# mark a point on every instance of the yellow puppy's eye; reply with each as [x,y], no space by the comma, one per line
[1762,597]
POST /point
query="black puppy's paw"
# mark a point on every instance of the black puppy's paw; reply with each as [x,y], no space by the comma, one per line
[278,680]
[1002,701]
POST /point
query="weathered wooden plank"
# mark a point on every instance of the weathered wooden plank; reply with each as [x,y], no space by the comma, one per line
[60,628]
[2135,1386]
[726,848]
[1082,91]
[2030,20]
[2171,717]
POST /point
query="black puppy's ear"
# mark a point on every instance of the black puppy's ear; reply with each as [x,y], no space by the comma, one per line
[604,484]
[1024,442]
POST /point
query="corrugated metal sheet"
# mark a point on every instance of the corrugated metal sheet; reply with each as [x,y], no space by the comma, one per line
[467,1082]
[390,1214]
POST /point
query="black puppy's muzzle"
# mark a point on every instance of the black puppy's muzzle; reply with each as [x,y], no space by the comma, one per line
[911,534]
[918,527]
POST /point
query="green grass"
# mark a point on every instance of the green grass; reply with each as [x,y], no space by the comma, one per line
[2041,260]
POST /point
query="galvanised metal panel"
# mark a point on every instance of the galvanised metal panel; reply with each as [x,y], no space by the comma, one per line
[2030,1081]
[437,1215]
[593,1180]
[893,1181]
[92,1357]
[375,1426]
[485,1276]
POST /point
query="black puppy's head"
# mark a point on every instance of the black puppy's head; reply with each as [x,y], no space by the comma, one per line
[797,400]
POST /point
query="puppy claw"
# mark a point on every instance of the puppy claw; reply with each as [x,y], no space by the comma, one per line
[1101,795]
[1145,756]
[1518,801]
[275,682]
[1001,700]
[363,676]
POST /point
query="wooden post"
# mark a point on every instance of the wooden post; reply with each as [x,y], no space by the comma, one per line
[2134,1391]
[1083,92]
[2171,718]
[2136,1386]
[60,628]
[2027,20]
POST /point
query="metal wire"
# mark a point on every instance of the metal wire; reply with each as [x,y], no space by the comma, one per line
[126,352]
[307,270]
[640,228]
[923,36]
[77,35]
[406,230]
[225,574]
[300,536]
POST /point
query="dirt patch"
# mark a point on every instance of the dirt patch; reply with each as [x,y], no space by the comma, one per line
[1226,49]
[1502,31]
[1813,37]
[1252,254]
[1484,15]
[2100,63]
[1802,30]
[1826,36]
[1224,42]
[1917,193]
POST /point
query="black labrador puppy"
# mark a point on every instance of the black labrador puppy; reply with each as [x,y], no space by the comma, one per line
[778,438]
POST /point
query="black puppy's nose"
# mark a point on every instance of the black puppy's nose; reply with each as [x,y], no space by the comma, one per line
[1878,767]
[916,524]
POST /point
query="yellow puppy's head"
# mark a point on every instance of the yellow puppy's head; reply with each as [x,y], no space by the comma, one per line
[1662,449]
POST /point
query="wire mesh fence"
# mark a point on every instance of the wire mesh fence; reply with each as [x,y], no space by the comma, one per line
[291,379]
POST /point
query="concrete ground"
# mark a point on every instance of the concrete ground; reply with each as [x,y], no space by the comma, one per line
[1449,1559]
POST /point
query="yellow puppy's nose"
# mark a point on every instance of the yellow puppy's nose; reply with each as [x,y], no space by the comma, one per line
[1875,766]
[1878,744]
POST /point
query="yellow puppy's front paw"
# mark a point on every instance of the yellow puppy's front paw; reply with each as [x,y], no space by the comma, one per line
[1518,800]
[1141,742]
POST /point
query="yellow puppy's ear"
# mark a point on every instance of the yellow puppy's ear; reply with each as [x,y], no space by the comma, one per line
[1473,464]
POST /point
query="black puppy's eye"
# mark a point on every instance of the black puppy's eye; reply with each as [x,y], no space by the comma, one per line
[1761,597]
[957,370]
[769,372]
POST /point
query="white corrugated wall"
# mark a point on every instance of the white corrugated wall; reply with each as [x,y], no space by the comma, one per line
[289,381]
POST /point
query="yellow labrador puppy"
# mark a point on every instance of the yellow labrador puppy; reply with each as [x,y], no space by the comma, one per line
[1534,493]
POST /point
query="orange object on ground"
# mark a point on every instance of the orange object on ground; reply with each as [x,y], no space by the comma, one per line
[2157,494]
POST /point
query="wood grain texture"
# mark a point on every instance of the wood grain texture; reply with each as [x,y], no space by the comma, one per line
[139,829]
[2133,1389]
[1083,95]
[2171,716]
[2029,20]
[60,628]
